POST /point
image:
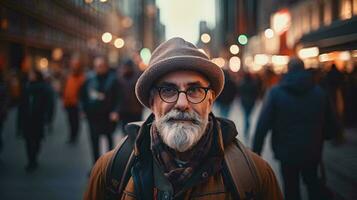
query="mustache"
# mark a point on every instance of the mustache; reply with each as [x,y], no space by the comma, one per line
[184,116]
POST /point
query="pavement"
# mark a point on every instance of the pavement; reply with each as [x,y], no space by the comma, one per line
[63,168]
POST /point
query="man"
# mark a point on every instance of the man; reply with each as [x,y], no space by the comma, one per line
[71,90]
[180,149]
[100,100]
[300,116]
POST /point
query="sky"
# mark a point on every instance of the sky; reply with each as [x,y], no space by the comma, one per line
[181,17]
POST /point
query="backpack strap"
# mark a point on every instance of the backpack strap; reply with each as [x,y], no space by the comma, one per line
[242,170]
[238,163]
[119,167]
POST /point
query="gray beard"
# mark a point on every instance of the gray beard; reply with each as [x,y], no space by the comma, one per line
[181,136]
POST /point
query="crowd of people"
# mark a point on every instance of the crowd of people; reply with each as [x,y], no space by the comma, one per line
[102,95]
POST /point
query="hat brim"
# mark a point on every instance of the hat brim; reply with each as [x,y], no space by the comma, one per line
[211,71]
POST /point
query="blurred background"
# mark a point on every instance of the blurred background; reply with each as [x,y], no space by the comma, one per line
[58,41]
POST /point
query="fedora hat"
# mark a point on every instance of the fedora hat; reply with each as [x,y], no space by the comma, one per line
[177,54]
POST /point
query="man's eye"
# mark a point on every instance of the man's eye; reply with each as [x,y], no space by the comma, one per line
[167,90]
[193,90]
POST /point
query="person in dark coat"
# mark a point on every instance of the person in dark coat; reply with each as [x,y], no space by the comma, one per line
[300,116]
[4,99]
[99,98]
[35,104]
[333,83]
[224,101]
[249,92]
[130,108]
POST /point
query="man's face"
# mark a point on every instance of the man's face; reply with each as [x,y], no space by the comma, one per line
[181,124]
[75,64]
[100,66]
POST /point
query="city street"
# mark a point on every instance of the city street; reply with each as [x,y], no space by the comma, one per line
[63,169]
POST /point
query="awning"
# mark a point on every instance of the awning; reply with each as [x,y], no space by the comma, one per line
[339,36]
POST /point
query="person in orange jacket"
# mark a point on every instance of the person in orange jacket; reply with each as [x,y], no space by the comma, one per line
[72,87]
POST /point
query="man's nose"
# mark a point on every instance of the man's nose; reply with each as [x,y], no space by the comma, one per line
[182,102]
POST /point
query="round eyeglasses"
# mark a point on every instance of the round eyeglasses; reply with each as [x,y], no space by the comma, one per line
[194,95]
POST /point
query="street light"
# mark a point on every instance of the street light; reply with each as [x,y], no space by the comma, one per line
[234,49]
[119,43]
[269,33]
[219,61]
[107,37]
[205,38]
[234,63]
[242,39]
[145,55]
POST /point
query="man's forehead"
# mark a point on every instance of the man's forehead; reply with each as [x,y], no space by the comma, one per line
[184,78]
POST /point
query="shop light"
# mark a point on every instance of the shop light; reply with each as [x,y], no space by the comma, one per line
[279,60]
[344,56]
[261,59]
[308,52]
[205,38]
[325,57]
[219,61]
[234,49]
[107,37]
[234,63]
[119,43]
[281,21]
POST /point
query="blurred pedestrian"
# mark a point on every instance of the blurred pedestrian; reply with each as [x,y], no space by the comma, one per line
[100,102]
[300,116]
[73,83]
[333,83]
[249,91]
[52,102]
[225,99]
[4,102]
[130,109]
[35,104]
[23,75]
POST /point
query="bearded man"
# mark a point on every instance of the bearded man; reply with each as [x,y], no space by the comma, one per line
[181,150]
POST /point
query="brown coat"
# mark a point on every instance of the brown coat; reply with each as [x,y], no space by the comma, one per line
[213,188]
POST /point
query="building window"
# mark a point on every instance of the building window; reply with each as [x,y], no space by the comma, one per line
[345,9]
[327,12]
[354,7]
[315,17]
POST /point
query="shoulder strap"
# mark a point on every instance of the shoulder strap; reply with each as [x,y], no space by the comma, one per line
[242,170]
[118,171]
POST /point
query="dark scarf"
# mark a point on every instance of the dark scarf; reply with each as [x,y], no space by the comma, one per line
[166,158]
